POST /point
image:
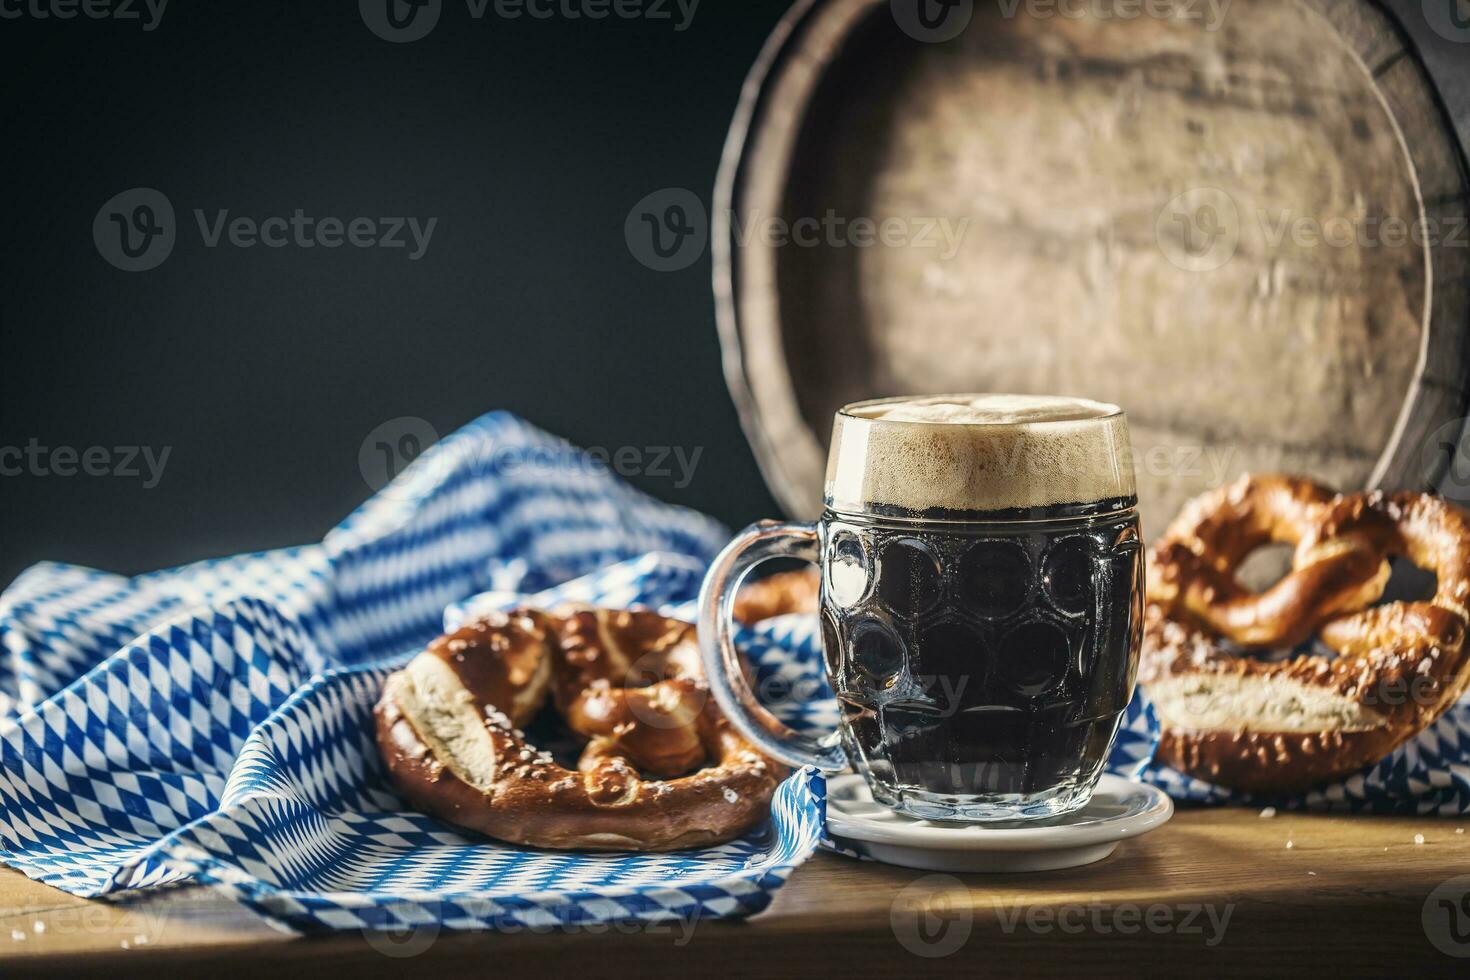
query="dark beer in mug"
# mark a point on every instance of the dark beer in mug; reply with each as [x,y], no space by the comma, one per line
[982,590]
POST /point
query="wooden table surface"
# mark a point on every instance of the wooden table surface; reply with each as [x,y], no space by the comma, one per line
[1219,890]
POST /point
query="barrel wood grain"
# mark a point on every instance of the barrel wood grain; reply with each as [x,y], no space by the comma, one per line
[1061,142]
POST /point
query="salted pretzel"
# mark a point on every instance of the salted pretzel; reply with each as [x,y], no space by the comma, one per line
[628,682]
[1259,723]
[633,682]
[1335,568]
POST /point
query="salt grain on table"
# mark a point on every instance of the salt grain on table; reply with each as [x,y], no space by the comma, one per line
[1418,838]
[1269,812]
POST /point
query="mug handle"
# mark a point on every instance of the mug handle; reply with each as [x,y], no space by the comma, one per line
[759,542]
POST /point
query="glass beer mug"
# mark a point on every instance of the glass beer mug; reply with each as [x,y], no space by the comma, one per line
[981,603]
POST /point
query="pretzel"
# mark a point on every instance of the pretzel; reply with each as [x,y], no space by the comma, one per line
[1335,567]
[1284,724]
[778,595]
[640,690]
[628,682]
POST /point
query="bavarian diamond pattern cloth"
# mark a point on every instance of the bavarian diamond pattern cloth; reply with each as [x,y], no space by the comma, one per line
[213,722]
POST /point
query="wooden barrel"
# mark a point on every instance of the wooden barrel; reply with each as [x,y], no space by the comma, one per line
[1248,231]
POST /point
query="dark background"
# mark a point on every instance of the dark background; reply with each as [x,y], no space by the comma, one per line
[265,369]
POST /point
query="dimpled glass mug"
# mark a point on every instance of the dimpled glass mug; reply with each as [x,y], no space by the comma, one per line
[981,603]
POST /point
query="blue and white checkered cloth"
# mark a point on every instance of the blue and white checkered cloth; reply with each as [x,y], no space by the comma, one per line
[213,722]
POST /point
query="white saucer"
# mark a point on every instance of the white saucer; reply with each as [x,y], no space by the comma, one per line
[1119,809]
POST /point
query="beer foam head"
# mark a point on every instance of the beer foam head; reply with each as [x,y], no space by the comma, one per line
[978,453]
